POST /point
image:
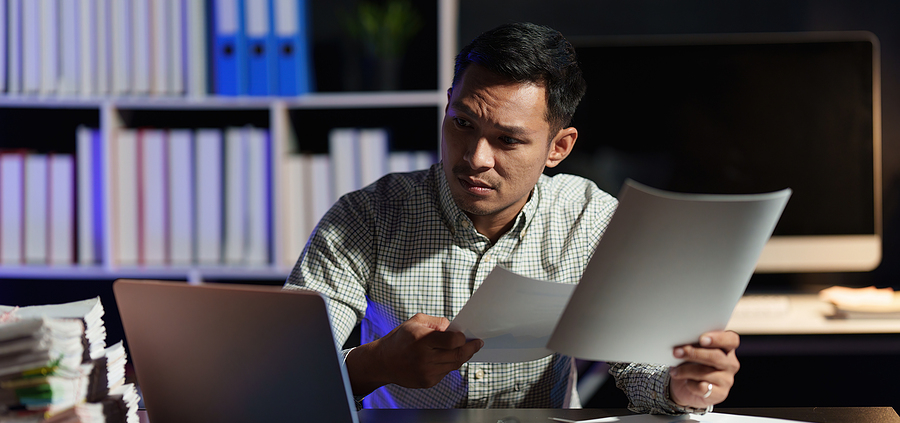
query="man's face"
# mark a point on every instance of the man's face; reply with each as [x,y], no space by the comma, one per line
[495,143]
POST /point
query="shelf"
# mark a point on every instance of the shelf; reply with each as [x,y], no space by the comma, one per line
[412,115]
[192,273]
[348,100]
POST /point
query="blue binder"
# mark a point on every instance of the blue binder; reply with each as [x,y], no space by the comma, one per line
[294,64]
[260,47]
[230,55]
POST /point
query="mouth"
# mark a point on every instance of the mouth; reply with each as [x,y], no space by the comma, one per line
[475,187]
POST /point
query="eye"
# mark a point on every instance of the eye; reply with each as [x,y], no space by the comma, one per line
[461,122]
[509,140]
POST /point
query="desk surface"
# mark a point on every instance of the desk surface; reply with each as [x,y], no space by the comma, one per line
[799,314]
[807,414]
[810,414]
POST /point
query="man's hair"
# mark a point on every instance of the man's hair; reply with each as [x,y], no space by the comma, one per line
[525,52]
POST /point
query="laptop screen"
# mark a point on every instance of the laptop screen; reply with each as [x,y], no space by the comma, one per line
[233,353]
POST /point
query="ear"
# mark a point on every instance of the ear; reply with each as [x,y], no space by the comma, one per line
[449,94]
[561,146]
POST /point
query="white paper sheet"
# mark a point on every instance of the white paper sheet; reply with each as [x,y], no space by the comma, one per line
[688,418]
[513,315]
[669,268]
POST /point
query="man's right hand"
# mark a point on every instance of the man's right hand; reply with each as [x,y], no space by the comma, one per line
[416,354]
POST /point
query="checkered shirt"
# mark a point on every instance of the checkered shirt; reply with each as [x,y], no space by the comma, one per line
[401,246]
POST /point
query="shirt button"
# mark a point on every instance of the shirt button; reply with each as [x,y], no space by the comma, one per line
[479,374]
[465,224]
[487,257]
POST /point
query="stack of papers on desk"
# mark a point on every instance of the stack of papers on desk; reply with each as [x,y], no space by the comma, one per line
[55,367]
[862,303]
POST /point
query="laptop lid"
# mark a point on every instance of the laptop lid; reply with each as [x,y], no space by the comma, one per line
[233,353]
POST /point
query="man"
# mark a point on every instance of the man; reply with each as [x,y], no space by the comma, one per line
[403,255]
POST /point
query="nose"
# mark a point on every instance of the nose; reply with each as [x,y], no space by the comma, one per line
[479,154]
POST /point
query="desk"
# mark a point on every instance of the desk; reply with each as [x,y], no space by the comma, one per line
[826,360]
[799,314]
[812,414]
[809,414]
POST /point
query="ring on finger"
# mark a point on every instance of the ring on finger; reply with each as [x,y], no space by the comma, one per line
[709,389]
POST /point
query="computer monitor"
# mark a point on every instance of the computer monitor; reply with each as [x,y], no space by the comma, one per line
[745,113]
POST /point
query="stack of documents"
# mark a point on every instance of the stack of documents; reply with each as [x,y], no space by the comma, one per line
[863,303]
[54,366]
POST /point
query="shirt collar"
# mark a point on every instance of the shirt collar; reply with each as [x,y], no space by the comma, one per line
[460,223]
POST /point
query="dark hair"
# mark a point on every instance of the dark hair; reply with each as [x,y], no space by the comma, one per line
[525,52]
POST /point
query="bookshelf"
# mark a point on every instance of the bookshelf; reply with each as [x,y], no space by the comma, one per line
[48,123]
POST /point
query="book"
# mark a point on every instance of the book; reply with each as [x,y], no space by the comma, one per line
[295,75]
[121,46]
[3,45]
[660,251]
[322,197]
[152,197]
[31,46]
[258,197]
[175,22]
[88,179]
[159,34]
[70,47]
[181,197]
[343,148]
[87,47]
[260,49]
[297,199]
[230,49]
[235,172]
[141,50]
[12,207]
[104,46]
[61,210]
[208,205]
[14,49]
[400,162]
[36,208]
[373,155]
[49,51]
[124,186]
[195,52]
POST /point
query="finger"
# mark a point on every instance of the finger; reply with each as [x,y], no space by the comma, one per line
[706,389]
[468,350]
[723,340]
[457,356]
[445,340]
[709,356]
[432,322]
[698,372]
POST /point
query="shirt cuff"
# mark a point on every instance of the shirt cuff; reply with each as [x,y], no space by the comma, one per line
[358,399]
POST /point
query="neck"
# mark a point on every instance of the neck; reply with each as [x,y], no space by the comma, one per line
[491,226]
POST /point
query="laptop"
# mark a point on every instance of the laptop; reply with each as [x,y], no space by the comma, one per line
[233,353]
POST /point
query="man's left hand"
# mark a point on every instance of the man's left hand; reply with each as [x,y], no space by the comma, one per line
[707,374]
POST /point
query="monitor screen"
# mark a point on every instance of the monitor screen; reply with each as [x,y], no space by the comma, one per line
[745,114]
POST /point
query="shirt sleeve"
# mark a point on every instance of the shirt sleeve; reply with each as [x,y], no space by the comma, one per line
[647,389]
[336,262]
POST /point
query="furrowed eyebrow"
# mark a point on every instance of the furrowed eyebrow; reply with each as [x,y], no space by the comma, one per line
[513,130]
